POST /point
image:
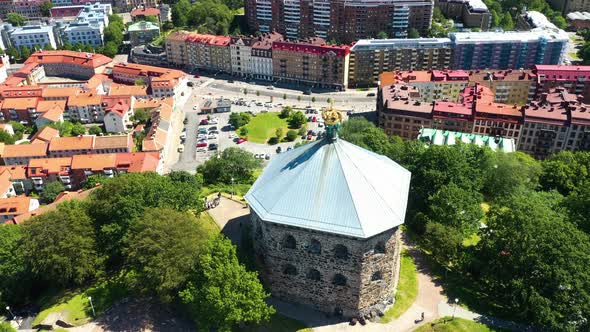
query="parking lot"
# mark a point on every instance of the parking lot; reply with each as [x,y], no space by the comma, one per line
[192,156]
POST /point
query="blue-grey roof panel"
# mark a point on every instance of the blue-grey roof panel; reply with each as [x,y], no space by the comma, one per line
[332,186]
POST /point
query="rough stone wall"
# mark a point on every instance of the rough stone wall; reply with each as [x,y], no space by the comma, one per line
[360,294]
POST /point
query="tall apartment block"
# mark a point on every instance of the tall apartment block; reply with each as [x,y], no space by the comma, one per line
[345,21]
[311,62]
[472,13]
[568,6]
[371,57]
[504,50]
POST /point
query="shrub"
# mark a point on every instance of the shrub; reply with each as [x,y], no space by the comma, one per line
[292,135]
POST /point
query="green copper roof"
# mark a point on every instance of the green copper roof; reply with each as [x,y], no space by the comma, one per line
[444,137]
[142,26]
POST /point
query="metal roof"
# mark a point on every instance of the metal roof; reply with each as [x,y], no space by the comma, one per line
[334,187]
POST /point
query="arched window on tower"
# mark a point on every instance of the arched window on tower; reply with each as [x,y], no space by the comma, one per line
[315,247]
[339,280]
[380,248]
[341,252]
[289,242]
[314,274]
[376,276]
[290,270]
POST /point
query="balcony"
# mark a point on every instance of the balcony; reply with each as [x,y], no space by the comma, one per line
[65,179]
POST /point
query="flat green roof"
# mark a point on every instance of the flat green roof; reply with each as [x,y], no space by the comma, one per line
[142,26]
[445,137]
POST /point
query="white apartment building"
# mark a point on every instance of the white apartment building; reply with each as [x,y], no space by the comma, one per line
[84,32]
[33,35]
[241,56]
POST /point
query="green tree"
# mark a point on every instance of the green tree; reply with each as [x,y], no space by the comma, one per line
[161,250]
[284,96]
[25,52]
[239,119]
[578,207]
[13,53]
[48,47]
[286,112]
[116,203]
[15,281]
[94,180]
[506,22]
[511,171]
[243,132]
[19,129]
[413,33]
[456,207]
[382,35]
[51,190]
[313,99]
[257,93]
[141,116]
[5,137]
[291,135]
[180,12]
[298,98]
[59,246]
[296,120]
[222,293]
[233,163]
[211,16]
[95,130]
[15,19]
[279,133]
[535,264]
[444,242]
[273,140]
[46,8]
[565,171]
[78,129]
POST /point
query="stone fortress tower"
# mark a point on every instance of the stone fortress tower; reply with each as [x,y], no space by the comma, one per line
[325,223]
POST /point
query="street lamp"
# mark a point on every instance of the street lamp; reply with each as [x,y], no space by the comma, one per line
[232,187]
[455,307]
[10,312]
[92,306]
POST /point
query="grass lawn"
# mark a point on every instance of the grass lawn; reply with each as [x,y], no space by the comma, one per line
[208,223]
[407,289]
[75,305]
[446,324]
[264,125]
[278,323]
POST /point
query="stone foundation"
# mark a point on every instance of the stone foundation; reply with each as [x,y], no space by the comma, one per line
[331,273]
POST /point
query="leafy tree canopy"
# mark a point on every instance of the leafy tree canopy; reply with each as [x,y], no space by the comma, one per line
[233,163]
[221,292]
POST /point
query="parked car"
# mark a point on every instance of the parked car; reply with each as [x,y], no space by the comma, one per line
[202,144]
[230,81]
[185,121]
[212,136]
[371,94]
[279,149]
[241,140]
[195,107]
[214,132]
[197,76]
[314,119]
[203,131]
[309,137]
[189,83]
[312,133]
[270,87]
[204,122]
[309,118]
[213,128]
[212,146]
[307,92]
[183,135]
[289,148]
[267,156]
[214,120]
[201,136]
[320,124]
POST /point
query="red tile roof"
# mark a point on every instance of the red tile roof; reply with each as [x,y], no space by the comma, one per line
[311,48]
[46,166]
[92,60]
[141,11]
